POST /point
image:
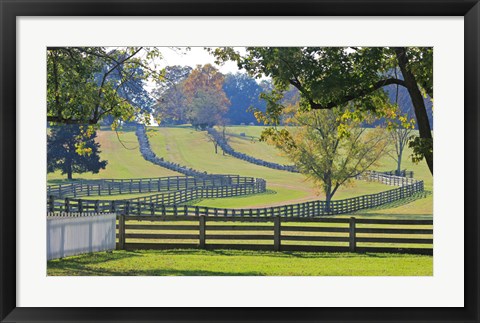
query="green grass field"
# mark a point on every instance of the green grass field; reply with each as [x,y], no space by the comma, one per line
[122,162]
[189,147]
[186,146]
[192,148]
[240,263]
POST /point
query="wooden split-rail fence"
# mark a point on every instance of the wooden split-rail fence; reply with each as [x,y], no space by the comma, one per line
[169,203]
[277,234]
[146,185]
[232,152]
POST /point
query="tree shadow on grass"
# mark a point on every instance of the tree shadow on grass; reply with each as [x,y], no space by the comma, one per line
[82,266]
[94,258]
[273,254]
[91,264]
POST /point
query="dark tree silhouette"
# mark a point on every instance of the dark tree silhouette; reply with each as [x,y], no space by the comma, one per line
[63,145]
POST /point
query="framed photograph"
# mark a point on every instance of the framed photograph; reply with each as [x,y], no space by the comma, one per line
[248,161]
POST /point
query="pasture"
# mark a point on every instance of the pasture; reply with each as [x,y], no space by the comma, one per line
[124,161]
[239,263]
[187,146]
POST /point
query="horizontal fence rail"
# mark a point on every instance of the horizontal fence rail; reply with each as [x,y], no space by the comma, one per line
[387,179]
[278,234]
[175,190]
[150,205]
[402,173]
[145,185]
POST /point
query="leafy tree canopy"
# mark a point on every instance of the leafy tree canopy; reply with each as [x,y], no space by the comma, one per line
[243,93]
[207,102]
[86,84]
[63,143]
[171,100]
[324,155]
[336,77]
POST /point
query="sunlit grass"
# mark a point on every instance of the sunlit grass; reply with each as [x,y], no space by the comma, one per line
[240,263]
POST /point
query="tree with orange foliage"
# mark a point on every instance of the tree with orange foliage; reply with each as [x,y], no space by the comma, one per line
[207,102]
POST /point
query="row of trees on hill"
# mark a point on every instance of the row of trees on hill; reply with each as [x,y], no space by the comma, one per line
[205,97]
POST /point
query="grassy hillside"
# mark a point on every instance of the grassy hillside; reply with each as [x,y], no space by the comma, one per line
[190,147]
[124,161]
[251,145]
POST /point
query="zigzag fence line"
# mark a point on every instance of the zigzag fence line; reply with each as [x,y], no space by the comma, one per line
[144,207]
[175,197]
[402,173]
[143,185]
[386,178]
[149,155]
[229,150]
[180,189]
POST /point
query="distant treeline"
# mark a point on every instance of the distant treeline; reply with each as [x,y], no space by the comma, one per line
[205,97]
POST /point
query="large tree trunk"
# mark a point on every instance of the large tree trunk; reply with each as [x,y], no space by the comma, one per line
[68,163]
[69,174]
[417,101]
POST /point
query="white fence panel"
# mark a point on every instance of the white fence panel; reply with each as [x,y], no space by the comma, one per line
[73,235]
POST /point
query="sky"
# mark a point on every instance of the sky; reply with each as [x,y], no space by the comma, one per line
[193,57]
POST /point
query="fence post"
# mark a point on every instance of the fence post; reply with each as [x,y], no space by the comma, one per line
[51,203]
[276,233]
[121,231]
[67,205]
[152,209]
[164,212]
[201,221]
[352,235]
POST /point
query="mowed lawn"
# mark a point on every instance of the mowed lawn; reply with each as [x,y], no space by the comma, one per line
[192,148]
[189,147]
[240,263]
[250,144]
[124,161]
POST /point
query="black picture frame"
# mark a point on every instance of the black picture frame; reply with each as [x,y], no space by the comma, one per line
[10,10]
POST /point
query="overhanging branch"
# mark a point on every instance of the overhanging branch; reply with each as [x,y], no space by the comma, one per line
[347,98]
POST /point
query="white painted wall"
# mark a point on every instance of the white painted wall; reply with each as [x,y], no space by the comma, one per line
[73,235]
